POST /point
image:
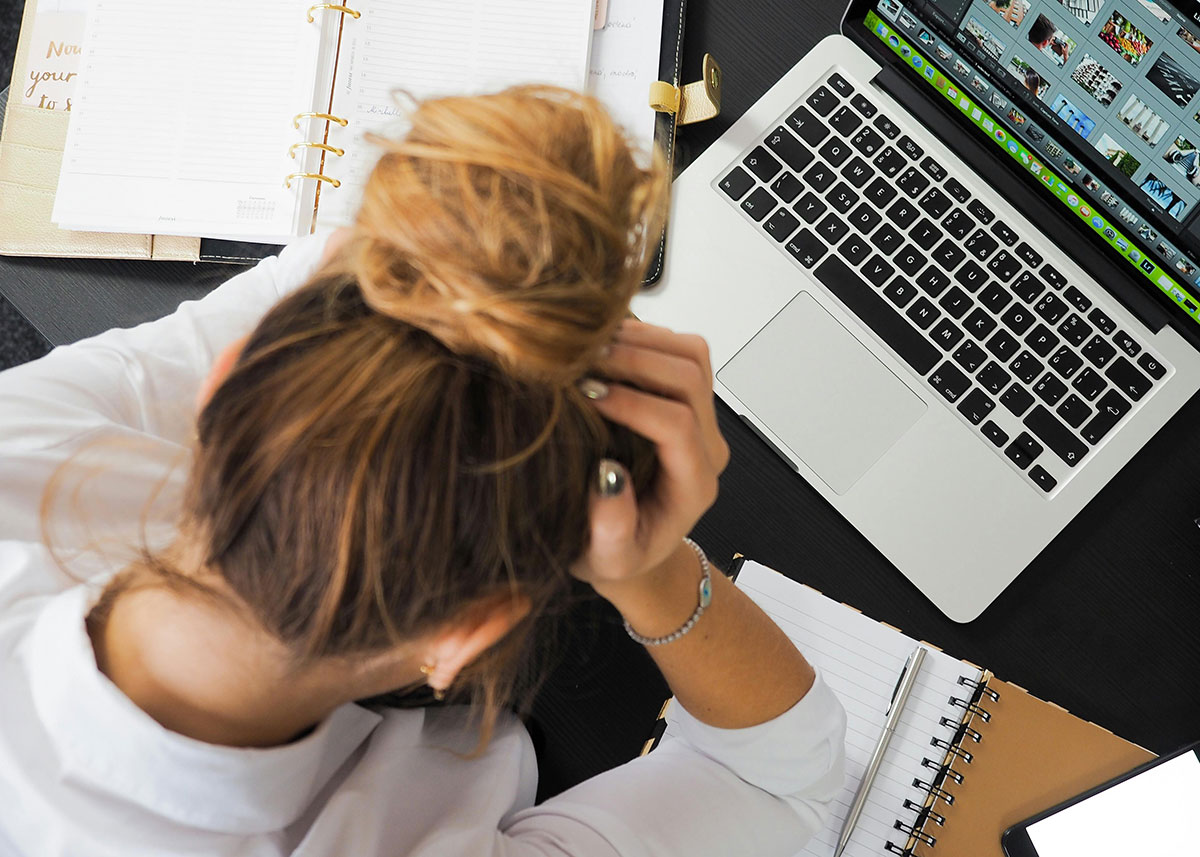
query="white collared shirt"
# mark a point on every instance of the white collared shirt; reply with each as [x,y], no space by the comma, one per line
[84,772]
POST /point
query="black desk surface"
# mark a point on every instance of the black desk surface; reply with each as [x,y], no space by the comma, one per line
[1105,622]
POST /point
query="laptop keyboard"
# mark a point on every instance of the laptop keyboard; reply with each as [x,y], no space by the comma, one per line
[1028,359]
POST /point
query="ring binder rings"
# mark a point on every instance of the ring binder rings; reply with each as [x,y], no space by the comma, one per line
[332,7]
[315,176]
[324,147]
[328,117]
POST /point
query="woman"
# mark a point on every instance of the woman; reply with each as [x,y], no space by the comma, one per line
[393,473]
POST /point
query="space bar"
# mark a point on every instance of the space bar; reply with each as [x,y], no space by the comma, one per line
[877,314]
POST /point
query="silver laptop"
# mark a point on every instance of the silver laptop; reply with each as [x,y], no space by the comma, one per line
[947,267]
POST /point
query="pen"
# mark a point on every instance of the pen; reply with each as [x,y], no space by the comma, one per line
[904,686]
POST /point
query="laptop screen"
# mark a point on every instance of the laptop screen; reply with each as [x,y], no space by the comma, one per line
[1097,100]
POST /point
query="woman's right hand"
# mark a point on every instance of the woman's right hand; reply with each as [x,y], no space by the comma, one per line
[673,407]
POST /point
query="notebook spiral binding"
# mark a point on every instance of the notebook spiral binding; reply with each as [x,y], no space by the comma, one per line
[943,775]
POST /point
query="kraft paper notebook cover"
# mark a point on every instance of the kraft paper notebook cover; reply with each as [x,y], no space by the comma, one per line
[971,755]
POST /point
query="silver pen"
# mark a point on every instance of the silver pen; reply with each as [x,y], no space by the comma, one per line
[904,686]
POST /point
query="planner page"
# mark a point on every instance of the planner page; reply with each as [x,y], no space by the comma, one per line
[426,48]
[861,660]
[182,122]
[625,61]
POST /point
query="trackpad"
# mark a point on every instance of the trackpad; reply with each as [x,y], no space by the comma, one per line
[820,391]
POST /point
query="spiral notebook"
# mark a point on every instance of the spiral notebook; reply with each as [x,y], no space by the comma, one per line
[971,755]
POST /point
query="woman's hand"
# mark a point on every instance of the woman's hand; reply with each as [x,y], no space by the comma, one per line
[673,408]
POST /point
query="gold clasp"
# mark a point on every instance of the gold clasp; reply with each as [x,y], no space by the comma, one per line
[694,102]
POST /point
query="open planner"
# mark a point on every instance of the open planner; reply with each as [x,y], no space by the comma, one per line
[247,122]
[971,755]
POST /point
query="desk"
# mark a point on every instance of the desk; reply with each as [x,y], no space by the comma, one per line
[1106,622]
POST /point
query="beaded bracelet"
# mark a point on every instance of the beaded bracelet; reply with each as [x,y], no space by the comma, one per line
[705,600]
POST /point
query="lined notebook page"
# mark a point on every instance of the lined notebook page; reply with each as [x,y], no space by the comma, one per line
[183,119]
[861,660]
[625,61]
[442,47]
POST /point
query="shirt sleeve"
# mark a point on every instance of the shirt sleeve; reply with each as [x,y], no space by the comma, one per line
[765,790]
[127,397]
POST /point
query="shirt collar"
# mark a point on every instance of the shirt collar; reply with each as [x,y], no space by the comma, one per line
[105,742]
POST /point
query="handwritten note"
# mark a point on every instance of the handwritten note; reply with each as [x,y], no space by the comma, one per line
[625,56]
[56,47]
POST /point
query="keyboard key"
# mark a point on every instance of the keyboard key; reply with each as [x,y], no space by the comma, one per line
[956,302]
[979,324]
[810,207]
[1004,232]
[880,192]
[1004,266]
[1126,378]
[877,270]
[1074,411]
[822,101]
[1016,399]
[887,239]
[932,281]
[845,121]
[948,381]
[995,298]
[1027,287]
[923,313]
[925,234]
[909,147]
[737,183]
[759,204]
[981,245]
[867,142]
[1090,384]
[958,223]
[1099,352]
[1017,319]
[993,377]
[832,229]
[842,197]
[955,188]
[781,225]
[980,211]
[1060,439]
[854,249]
[809,128]
[1049,389]
[787,187]
[945,334]
[1041,340]
[1066,362]
[864,218]
[807,247]
[903,213]
[1050,308]
[1077,299]
[933,169]
[784,144]
[1017,455]
[762,164]
[835,151]
[890,162]
[976,406]
[935,203]
[1026,367]
[1127,343]
[912,182]
[1003,345]
[1026,442]
[1027,254]
[877,314]
[900,292]
[994,433]
[970,356]
[1152,367]
[910,260]
[1052,276]
[887,126]
[1042,479]
[1075,330]
[1103,323]
[820,177]
[857,172]
[1109,411]
[971,276]
[863,106]
[839,84]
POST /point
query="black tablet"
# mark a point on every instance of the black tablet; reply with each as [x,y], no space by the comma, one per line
[1152,810]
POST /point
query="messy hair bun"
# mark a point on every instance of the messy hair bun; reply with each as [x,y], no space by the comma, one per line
[512,227]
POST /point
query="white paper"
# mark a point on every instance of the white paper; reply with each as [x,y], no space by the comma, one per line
[625,61]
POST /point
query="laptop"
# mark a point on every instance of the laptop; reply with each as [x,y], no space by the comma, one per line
[949,268]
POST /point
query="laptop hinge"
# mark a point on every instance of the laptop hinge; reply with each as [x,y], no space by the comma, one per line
[930,113]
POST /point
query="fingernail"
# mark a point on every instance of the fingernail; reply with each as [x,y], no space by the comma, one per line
[593,389]
[610,478]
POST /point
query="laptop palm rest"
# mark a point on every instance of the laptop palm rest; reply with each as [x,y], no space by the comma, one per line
[831,402]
